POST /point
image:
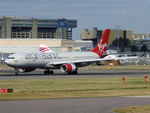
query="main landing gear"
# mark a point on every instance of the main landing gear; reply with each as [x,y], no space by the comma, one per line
[16,71]
[73,73]
[48,72]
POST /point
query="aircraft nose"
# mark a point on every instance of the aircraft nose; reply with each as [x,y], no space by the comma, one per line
[6,61]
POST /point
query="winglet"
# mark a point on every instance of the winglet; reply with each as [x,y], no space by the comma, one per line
[43,48]
[102,45]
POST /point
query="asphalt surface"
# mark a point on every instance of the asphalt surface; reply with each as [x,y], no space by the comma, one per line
[9,74]
[77,105]
[80,105]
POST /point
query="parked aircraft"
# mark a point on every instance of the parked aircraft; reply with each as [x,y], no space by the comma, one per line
[66,61]
[110,52]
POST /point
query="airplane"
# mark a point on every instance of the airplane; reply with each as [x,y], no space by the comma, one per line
[43,48]
[67,62]
[109,52]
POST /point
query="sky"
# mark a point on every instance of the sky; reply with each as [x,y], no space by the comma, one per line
[126,14]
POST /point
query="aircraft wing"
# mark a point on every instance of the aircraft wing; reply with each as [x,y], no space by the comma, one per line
[88,60]
[74,61]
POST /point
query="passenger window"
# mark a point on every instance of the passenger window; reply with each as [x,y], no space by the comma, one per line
[11,58]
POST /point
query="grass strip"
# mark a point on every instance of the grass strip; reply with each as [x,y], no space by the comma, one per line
[133,109]
[119,67]
[73,88]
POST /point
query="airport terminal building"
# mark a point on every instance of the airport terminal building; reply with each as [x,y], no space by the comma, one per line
[33,28]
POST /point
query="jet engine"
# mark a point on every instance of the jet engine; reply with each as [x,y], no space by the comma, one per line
[68,68]
[26,69]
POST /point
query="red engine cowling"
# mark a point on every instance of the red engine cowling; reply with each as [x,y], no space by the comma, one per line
[26,69]
[68,68]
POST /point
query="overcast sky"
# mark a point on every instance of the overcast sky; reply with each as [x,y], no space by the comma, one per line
[127,14]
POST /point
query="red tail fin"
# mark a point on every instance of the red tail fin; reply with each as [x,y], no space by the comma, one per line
[102,45]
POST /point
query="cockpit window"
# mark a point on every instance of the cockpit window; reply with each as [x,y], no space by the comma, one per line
[11,58]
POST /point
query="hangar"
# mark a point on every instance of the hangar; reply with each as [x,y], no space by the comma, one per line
[32,45]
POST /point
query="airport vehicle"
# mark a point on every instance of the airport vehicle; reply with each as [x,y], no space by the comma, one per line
[68,62]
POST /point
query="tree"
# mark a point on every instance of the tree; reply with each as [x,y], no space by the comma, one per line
[144,48]
[134,48]
[121,43]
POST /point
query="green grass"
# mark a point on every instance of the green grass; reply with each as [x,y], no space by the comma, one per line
[73,88]
[120,67]
[133,109]
[4,66]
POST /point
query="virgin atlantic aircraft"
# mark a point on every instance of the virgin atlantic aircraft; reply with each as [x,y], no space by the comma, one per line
[67,62]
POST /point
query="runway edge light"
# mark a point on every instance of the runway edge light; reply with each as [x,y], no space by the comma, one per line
[5,90]
[146,79]
[123,79]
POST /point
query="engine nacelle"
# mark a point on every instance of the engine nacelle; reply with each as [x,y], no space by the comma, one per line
[68,68]
[26,69]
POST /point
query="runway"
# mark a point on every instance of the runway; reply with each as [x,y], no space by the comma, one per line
[82,73]
[78,105]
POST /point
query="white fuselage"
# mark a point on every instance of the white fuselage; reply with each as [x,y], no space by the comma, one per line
[44,60]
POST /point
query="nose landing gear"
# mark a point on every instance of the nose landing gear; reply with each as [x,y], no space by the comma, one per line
[16,71]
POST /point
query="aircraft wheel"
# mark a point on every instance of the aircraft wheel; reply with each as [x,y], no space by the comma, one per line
[74,72]
[16,71]
[45,72]
[51,72]
[48,72]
